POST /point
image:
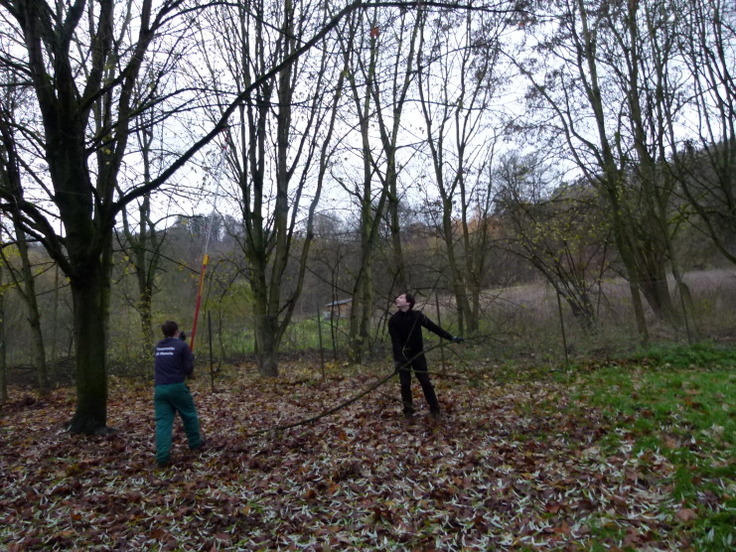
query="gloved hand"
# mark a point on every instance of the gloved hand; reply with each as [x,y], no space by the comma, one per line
[457,339]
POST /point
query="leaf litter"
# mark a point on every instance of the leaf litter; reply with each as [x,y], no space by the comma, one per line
[510,466]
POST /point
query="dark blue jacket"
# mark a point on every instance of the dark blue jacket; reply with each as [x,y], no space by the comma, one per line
[174,361]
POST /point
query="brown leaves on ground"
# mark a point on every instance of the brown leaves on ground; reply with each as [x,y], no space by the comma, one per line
[507,468]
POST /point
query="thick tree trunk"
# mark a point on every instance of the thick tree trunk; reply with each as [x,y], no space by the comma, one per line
[360,317]
[145,311]
[657,292]
[90,340]
[265,324]
[266,345]
[641,321]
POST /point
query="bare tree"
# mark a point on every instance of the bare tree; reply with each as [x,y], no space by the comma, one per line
[82,61]
[458,76]
[277,150]
[23,278]
[390,95]
[560,230]
[606,78]
[361,47]
[706,164]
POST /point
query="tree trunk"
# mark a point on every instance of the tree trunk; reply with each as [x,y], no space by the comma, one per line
[360,315]
[400,281]
[145,310]
[457,280]
[34,316]
[656,290]
[266,344]
[641,321]
[90,341]
[3,364]
[372,204]
[623,239]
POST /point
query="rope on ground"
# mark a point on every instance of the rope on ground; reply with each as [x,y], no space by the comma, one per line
[353,399]
[328,412]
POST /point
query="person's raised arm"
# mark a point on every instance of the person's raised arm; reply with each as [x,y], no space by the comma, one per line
[434,328]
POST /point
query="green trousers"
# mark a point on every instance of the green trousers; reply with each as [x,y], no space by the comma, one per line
[167,401]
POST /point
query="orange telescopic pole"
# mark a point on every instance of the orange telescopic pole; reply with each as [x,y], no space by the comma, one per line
[198,302]
[205,256]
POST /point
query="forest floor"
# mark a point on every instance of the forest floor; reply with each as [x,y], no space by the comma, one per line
[523,461]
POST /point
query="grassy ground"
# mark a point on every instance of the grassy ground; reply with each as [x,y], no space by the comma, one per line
[630,455]
[678,405]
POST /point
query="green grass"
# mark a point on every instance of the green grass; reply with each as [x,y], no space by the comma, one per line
[679,402]
[698,355]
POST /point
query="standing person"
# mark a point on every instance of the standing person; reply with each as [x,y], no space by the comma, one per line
[174,363]
[405,329]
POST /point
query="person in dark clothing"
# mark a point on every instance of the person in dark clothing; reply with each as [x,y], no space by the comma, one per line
[174,363]
[405,329]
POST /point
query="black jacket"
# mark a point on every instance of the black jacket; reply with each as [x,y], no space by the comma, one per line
[174,361]
[405,329]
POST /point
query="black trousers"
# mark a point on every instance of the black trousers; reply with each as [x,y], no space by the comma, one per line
[419,366]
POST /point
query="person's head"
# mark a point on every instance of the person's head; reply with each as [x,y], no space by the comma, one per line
[405,301]
[169,328]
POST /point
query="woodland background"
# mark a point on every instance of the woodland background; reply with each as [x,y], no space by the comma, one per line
[553,178]
[521,318]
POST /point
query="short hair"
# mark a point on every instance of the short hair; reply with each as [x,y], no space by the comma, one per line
[410,299]
[169,328]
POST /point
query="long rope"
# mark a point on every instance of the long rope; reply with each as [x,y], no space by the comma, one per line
[361,394]
[354,398]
